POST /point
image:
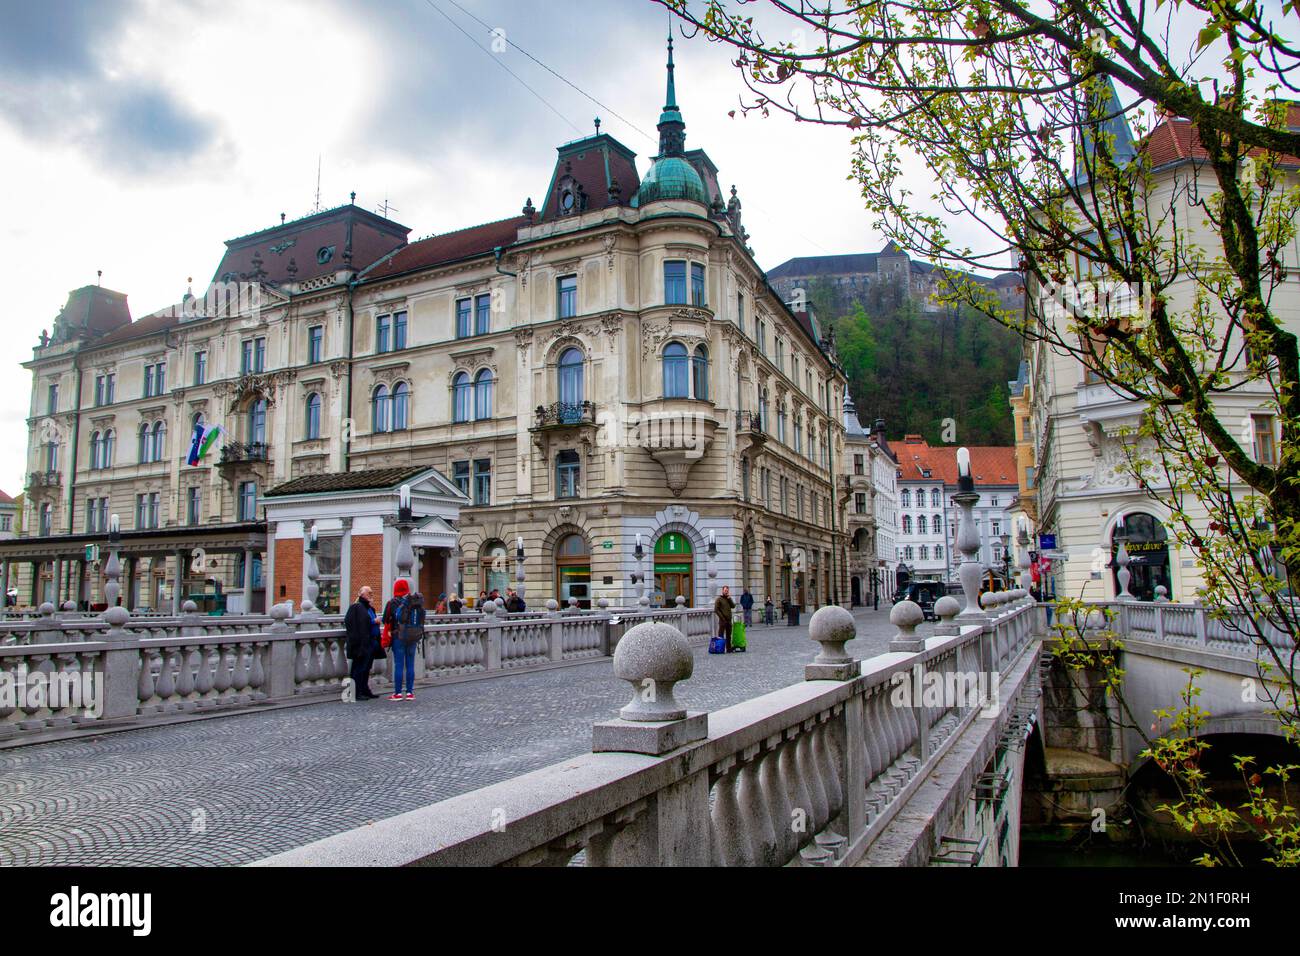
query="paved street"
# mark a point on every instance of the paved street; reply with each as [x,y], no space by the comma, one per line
[235,789]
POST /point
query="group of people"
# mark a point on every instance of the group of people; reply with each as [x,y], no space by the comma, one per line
[399,628]
[371,635]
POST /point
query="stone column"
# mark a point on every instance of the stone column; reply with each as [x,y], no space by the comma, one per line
[968,542]
[248,581]
[177,582]
[345,564]
[58,582]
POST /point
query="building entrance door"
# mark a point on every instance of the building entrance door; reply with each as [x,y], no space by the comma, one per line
[670,583]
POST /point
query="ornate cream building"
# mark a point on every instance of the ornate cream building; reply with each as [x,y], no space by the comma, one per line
[606,367]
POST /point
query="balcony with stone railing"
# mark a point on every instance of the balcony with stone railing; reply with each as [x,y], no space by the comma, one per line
[42,480]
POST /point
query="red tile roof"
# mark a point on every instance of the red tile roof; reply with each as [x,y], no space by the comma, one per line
[5,499]
[449,247]
[990,464]
[593,162]
[301,240]
[148,325]
[1178,140]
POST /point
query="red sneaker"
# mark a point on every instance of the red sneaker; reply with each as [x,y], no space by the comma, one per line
[410,697]
[396,697]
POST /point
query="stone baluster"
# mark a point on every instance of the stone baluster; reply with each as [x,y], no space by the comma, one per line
[971,571]
[1124,575]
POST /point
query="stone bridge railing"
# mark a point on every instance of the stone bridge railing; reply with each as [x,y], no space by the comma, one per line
[1234,631]
[808,775]
[70,676]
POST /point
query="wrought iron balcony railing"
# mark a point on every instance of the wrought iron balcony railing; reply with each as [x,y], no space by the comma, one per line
[238,452]
[565,413]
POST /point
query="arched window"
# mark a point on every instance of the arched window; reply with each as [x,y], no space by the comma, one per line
[313,416]
[106,449]
[935,500]
[94,451]
[762,408]
[573,570]
[401,406]
[381,409]
[159,440]
[462,398]
[676,383]
[257,422]
[700,373]
[906,499]
[570,378]
[143,444]
[938,524]
[922,526]
[483,394]
[907,524]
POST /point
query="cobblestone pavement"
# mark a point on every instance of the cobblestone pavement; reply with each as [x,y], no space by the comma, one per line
[234,789]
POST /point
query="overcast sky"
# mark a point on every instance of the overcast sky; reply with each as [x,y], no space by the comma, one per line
[137,135]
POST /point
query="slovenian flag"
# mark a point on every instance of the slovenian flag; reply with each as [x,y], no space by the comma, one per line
[205,436]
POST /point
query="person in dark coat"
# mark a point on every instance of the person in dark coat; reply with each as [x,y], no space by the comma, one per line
[362,625]
[722,607]
[747,605]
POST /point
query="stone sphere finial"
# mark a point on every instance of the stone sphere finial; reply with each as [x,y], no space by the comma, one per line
[947,607]
[280,612]
[68,606]
[552,604]
[905,616]
[117,615]
[602,602]
[46,609]
[653,657]
[832,627]
[988,600]
[189,607]
[681,600]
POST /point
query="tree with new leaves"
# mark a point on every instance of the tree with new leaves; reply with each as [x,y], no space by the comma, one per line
[1046,128]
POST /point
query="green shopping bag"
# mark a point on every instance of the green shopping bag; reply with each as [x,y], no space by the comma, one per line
[738,634]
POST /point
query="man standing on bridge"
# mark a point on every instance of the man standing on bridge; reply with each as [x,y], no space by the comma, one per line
[362,626]
[722,607]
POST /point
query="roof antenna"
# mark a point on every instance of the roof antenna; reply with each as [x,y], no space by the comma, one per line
[99,277]
[317,206]
[384,208]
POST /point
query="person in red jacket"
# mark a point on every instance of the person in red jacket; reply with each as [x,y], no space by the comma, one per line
[401,654]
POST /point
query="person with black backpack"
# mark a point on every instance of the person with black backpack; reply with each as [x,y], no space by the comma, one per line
[404,616]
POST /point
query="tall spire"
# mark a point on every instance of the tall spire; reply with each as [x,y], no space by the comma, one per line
[672,130]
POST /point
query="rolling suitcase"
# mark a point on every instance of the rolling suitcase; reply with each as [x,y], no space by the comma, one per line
[738,636]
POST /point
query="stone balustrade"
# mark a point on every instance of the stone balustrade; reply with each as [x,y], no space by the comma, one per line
[1235,631]
[811,774]
[130,671]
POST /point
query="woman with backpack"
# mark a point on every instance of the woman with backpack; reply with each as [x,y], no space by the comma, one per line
[404,618]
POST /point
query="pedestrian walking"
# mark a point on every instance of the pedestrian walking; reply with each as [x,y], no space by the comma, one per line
[362,626]
[722,608]
[747,605]
[769,611]
[441,607]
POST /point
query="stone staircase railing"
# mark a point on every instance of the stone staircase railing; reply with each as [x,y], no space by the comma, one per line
[810,774]
[71,675]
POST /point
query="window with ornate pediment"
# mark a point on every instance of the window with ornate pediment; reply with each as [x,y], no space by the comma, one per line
[380,409]
[401,406]
[483,394]
[313,416]
[462,397]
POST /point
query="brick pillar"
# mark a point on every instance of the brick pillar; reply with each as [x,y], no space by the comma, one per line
[288,572]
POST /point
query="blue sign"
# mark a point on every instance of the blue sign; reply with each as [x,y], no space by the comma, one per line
[1047,542]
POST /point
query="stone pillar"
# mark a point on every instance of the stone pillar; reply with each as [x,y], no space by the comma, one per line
[652,656]
[345,563]
[57,582]
[248,580]
[177,583]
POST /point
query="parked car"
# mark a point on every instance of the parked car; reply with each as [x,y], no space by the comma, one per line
[923,593]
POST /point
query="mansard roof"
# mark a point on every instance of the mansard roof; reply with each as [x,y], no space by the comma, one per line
[449,247]
[595,163]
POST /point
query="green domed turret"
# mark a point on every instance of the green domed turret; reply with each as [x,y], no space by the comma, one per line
[671,176]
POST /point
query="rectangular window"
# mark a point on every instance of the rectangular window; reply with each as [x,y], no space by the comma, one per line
[192,506]
[259,355]
[566,291]
[399,331]
[697,284]
[52,398]
[567,468]
[740,311]
[148,381]
[1265,446]
[141,511]
[462,318]
[92,512]
[246,357]
[248,501]
[315,344]
[99,390]
[860,503]
[482,314]
[200,367]
[674,283]
[780,355]
[859,467]
[762,338]
[482,481]
[383,331]
[154,512]
[460,475]
[1029,477]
